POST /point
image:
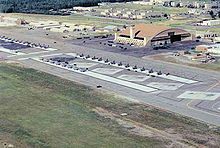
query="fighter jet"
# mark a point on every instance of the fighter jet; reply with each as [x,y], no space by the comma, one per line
[151,71]
[142,69]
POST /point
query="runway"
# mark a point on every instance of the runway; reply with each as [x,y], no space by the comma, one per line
[152,90]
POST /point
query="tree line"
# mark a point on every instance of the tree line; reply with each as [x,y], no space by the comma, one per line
[43,6]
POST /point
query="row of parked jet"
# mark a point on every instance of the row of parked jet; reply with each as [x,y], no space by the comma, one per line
[120,64]
[135,68]
[64,64]
[26,43]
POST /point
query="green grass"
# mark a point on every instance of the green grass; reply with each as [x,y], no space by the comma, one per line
[45,111]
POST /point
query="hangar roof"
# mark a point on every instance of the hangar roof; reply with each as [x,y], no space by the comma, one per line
[145,30]
[151,31]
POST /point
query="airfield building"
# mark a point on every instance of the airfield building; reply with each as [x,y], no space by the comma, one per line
[214,48]
[209,23]
[151,35]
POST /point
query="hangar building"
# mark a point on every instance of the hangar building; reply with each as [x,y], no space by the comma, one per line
[151,35]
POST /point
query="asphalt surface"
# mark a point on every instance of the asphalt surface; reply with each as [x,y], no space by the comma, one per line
[208,81]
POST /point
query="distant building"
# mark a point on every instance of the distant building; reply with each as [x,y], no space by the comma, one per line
[207,36]
[151,35]
[209,23]
[172,4]
[208,6]
[82,8]
[149,2]
[215,48]
[128,14]
[197,4]
[195,11]
[15,21]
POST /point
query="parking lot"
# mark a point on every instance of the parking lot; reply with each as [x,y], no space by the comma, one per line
[19,47]
[108,44]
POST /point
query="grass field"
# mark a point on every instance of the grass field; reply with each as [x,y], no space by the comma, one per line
[80,19]
[40,110]
[44,111]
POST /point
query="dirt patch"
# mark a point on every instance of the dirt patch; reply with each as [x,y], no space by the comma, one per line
[138,129]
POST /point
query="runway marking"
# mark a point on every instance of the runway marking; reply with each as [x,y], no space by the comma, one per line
[198,95]
[134,78]
[165,86]
[213,86]
[215,105]
[106,78]
[22,59]
[50,49]
[38,52]
[107,71]
[188,106]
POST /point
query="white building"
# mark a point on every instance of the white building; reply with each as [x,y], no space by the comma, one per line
[172,4]
[149,2]
[104,13]
[197,5]
[139,16]
[195,11]
[208,6]
[82,8]
[209,23]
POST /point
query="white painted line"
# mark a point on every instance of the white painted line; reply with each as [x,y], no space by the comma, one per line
[38,52]
[179,79]
[50,49]
[9,56]
[216,104]
[109,71]
[22,59]
[135,78]
[165,86]
[106,78]
[121,82]
[71,54]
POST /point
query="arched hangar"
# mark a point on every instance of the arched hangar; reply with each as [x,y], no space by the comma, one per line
[151,35]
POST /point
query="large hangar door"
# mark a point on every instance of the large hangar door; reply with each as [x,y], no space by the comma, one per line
[175,38]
